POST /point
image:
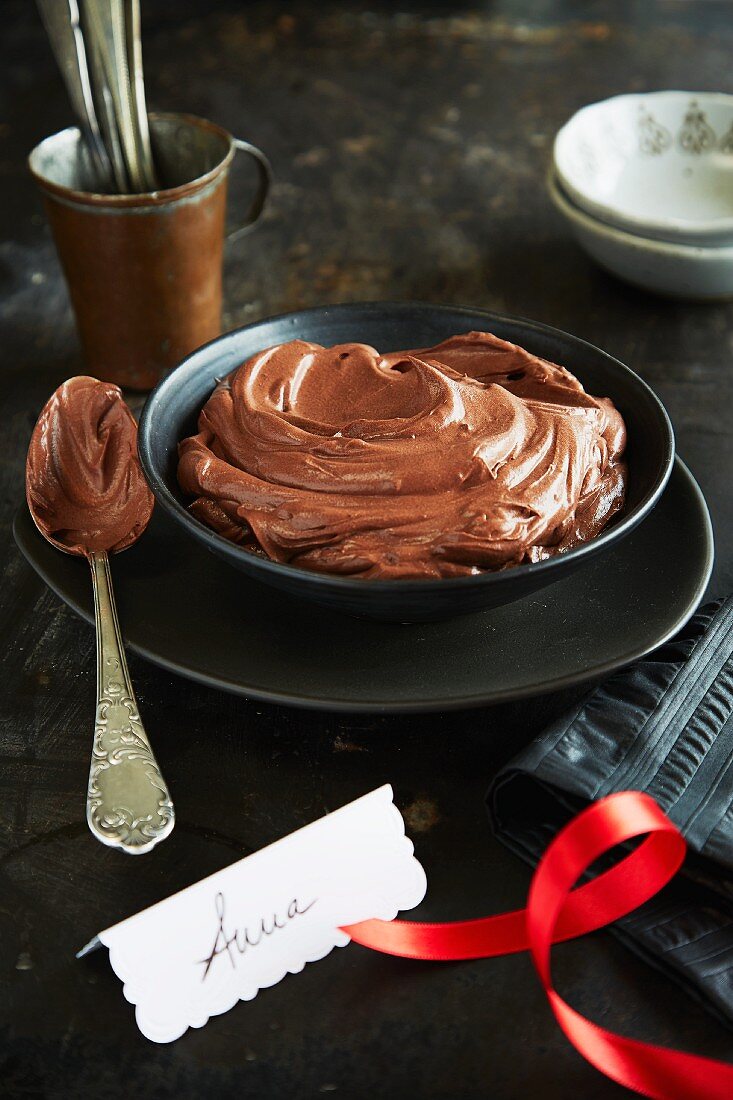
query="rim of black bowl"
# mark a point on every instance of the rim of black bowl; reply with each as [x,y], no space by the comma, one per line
[193,362]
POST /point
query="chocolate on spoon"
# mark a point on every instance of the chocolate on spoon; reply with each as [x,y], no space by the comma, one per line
[87,496]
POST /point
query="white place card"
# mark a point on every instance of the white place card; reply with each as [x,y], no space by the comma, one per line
[197,953]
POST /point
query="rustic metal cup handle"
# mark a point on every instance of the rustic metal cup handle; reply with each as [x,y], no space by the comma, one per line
[264,170]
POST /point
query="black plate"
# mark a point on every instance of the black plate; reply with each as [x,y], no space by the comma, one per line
[172,411]
[186,610]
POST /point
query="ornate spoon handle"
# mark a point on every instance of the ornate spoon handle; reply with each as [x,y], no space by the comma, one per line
[128,805]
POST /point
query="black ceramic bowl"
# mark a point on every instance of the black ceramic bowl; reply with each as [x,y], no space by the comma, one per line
[172,410]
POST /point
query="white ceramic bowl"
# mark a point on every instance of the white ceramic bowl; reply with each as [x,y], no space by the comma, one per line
[659,165]
[675,270]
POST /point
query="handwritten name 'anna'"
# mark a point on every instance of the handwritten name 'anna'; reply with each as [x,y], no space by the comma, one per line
[237,942]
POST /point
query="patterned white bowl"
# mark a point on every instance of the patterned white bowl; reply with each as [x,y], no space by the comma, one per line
[659,165]
[675,270]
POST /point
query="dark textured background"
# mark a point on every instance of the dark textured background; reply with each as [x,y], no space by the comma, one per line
[410,149]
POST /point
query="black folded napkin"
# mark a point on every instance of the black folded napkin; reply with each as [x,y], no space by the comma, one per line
[663,726]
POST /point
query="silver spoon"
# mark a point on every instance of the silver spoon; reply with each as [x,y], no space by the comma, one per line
[137,88]
[128,803]
[108,35]
[61,20]
[102,98]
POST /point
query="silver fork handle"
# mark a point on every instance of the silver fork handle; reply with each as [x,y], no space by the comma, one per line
[128,804]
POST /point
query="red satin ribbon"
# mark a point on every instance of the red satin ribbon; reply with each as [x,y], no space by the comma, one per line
[555,911]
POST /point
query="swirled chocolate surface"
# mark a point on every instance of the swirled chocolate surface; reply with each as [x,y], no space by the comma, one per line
[84,483]
[469,456]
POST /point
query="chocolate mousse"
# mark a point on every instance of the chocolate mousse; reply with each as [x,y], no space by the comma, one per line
[85,487]
[472,455]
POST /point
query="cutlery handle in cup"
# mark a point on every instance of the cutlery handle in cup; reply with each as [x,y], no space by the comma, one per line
[128,804]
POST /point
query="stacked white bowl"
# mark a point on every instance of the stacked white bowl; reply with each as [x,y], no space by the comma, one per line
[646,184]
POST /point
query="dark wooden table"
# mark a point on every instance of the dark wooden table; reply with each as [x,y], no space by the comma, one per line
[410,150]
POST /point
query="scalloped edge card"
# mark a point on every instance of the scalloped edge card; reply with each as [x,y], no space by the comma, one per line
[199,952]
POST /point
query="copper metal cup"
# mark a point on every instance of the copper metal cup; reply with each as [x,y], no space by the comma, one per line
[145,271]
